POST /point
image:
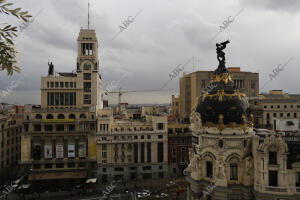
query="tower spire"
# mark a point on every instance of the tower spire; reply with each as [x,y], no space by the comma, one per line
[88,15]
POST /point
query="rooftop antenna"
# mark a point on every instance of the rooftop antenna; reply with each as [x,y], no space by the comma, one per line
[193,64]
[88,15]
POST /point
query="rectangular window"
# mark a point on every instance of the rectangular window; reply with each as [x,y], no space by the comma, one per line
[233,172]
[252,84]
[48,127]
[135,152]
[87,86]
[56,99]
[71,165]
[59,127]
[149,152]
[59,165]
[61,84]
[66,84]
[56,84]
[183,155]
[209,169]
[51,98]
[160,152]
[87,99]
[71,127]
[67,99]
[37,127]
[142,152]
[52,84]
[273,178]
[82,165]
[272,158]
[61,98]
[48,166]
[119,169]
[71,84]
[297,179]
[160,126]
[104,155]
[72,95]
[87,76]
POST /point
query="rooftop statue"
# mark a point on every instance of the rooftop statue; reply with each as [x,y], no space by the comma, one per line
[221,55]
[51,68]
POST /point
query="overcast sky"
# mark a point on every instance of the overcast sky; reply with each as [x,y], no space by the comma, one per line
[166,33]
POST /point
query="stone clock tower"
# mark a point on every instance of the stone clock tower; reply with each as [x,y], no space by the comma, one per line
[88,68]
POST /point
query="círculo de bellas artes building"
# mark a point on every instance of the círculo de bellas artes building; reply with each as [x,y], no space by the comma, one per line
[229,159]
[59,138]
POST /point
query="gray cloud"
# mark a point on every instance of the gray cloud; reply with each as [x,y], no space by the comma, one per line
[164,35]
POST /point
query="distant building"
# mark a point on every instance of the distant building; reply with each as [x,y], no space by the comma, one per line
[179,144]
[191,85]
[10,145]
[275,104]
[59,137]
[175,108]
[132,145]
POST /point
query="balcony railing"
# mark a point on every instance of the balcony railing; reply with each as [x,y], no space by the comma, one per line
[276,189]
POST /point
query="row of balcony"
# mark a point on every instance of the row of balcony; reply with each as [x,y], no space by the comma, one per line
[277,190]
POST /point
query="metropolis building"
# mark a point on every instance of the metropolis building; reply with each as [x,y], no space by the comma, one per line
[230,160]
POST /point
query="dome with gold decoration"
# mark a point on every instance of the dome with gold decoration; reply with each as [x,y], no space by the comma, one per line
[222,104]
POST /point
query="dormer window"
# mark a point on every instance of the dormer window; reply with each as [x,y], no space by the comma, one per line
[87,49]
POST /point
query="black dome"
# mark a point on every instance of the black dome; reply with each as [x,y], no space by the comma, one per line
[223,103]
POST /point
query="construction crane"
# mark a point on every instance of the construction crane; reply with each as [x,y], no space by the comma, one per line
[120,92]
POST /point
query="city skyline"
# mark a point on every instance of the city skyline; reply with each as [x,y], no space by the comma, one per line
[155,42]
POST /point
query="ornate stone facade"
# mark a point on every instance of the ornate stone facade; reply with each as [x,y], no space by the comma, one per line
[230,160]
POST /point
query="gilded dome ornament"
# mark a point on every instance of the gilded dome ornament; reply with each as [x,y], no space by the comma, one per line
[224,99]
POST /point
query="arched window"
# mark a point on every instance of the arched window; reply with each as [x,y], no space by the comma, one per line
[49,116]
[86,66]
[82,116]
[60,116]
[38,116]
[72,116]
